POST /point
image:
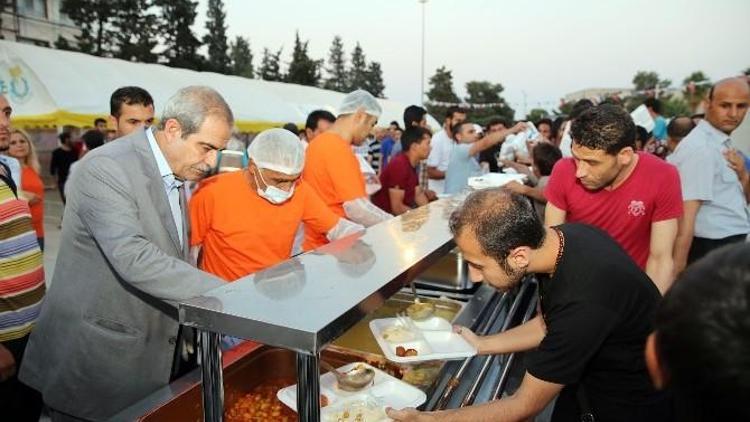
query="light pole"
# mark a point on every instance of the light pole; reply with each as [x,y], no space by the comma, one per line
[421,75]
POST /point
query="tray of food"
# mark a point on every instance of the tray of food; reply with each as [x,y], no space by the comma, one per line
[404,340]
[369,391]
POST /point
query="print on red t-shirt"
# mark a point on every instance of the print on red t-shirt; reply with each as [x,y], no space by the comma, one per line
[650,194]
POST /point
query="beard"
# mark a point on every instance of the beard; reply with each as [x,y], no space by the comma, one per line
[514,275]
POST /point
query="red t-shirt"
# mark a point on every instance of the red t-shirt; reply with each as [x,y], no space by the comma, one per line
[650,194]
[400,174]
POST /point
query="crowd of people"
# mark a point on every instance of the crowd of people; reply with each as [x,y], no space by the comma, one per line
[604,221]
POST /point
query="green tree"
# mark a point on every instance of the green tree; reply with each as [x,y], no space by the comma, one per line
[696,86]
[375,84]
[441,86]
[242,57]
[441,90]
[270,66]
[674,106]
[62,43]
[216,37]
[485,92]
[135,30]
[357,72]
[94,18]
[180,43]
[536,114]
[302,69]
[644,80]
[336,69]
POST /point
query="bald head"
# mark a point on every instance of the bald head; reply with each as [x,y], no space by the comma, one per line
[727,103]
[678,128]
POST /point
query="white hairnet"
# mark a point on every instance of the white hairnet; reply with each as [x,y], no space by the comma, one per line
[277,150]
[360,99]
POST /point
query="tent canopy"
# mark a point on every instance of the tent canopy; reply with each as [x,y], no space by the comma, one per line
[48,87]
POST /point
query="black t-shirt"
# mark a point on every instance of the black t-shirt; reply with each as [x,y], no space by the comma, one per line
[490,156]
[60,163]
[598,308]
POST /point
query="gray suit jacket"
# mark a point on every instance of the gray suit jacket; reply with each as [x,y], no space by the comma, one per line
[107,331]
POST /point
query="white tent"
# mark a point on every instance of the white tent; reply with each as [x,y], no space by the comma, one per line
[48,87]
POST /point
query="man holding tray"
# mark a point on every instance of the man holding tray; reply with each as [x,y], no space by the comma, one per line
[597,306]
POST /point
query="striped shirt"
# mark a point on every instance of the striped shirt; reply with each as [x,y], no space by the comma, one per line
[21,268]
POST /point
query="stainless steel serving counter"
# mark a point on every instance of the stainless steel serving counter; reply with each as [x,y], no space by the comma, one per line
[305,303]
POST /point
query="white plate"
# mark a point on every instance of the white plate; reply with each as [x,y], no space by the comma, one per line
[434,323]
[387,390]
[429,344]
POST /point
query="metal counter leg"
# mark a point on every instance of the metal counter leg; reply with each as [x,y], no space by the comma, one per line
[213,383]
[308,390]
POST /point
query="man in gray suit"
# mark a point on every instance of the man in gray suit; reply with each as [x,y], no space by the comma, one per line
[108,331]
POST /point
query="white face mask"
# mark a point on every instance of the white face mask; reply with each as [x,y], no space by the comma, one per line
[272,194]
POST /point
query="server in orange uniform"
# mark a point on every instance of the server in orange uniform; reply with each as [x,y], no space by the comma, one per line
[245,221]
[333,171]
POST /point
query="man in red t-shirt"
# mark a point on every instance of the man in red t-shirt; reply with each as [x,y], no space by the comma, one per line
[400,184]
[635,197]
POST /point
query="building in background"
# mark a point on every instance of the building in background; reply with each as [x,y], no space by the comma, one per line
[38,22]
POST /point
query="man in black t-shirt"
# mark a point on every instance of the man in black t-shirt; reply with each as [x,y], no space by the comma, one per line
[597,310]
[62,158]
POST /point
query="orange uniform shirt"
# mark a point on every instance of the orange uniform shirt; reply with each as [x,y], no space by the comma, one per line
[332,170]
[31,182]
[241,232]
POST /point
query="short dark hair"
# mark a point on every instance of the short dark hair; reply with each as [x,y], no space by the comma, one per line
[413,135]
[556,125]
[93,139]
[579,107]
[653,104]
[454,110]
[129,95]
[316,116]
[606,127]
[498,121]
[545,155]
[679,127]
[641,134]
[64,137]
[393,123]
[457,127]
[703,336]
[544,121]
[291,127]
[99,120]
[413,115]
[501,222]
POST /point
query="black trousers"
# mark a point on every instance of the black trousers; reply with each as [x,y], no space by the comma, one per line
[702,246]
[21,403]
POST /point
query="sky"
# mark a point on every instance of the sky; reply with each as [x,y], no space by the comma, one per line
[538,50]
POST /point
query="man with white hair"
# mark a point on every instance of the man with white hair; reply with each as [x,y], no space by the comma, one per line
[108,333]
[245,221]
[333,171]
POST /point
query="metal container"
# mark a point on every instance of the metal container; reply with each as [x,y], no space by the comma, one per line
[450,272]
[258,365]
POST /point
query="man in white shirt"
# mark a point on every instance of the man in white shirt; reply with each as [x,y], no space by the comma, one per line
[442,145]
[715,205]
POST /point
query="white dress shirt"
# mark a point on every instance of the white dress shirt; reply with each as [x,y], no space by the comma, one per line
[171,184]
